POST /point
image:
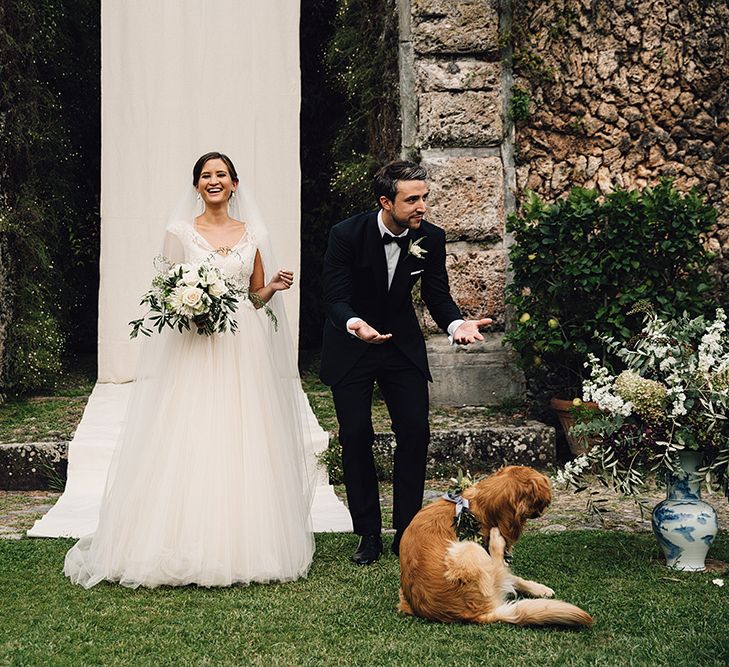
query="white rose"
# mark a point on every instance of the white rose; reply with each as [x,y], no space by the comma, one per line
[191,296]
[218,288]
[214,276]
[190,277]
[175,268]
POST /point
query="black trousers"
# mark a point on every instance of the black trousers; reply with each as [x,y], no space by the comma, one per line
[405,390]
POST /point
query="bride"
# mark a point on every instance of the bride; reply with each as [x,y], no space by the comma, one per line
[209,483]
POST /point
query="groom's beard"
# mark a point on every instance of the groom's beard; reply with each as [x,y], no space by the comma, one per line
[413,222]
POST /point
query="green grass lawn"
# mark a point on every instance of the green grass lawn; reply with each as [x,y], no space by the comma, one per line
[345,615]
[51,419]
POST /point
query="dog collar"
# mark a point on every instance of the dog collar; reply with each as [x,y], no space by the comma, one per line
[465,523]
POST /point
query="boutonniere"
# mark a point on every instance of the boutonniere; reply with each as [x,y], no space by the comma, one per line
[416,250]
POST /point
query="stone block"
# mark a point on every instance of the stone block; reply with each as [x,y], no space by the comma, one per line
[467,197]
[455,26]
[477,281]
[479,450]
[467,119]
[483,373]
[607,63]
[490,448]
[457,74]
[477,278]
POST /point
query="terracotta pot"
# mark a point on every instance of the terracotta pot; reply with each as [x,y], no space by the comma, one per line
[567,421]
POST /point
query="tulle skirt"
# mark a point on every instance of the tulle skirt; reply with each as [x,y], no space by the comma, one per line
[208,484]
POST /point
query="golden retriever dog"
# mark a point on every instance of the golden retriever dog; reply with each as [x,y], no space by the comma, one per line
[447,580]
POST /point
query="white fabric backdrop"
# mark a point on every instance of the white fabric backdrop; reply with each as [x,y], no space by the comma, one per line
[181,78]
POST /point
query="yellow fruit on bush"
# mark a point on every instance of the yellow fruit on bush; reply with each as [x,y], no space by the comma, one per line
[525,318]
[552,322]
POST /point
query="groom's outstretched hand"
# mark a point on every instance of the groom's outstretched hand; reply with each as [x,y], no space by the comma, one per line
[468,332]
[368,334]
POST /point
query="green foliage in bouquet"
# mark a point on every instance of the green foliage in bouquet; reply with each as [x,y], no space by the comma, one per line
[185,294]
[579,265]
[672,394]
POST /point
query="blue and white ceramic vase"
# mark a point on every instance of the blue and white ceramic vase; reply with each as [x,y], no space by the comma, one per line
[685,525]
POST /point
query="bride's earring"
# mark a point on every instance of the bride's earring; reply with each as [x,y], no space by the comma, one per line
[232,194]
[198,196]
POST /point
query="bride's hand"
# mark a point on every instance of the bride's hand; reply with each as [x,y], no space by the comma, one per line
[282,280]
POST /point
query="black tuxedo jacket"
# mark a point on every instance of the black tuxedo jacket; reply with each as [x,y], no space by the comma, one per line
[355,285]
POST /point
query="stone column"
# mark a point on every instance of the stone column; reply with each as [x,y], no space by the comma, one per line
[454,87]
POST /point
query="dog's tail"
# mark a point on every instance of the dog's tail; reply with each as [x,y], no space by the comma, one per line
[539,612]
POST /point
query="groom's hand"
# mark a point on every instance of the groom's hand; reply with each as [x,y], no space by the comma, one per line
[368,334]
[468,331]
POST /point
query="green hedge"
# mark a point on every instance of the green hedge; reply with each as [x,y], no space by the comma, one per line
[49,187]
[580,264]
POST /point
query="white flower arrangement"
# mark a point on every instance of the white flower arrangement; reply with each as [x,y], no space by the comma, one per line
[673,394]
[183,294]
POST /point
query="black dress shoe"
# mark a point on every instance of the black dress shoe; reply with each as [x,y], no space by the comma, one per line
[369,550]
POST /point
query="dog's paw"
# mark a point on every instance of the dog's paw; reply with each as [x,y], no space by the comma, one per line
[497,543]
[542,591]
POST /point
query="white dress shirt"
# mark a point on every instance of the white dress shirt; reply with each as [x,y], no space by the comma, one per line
[392,250]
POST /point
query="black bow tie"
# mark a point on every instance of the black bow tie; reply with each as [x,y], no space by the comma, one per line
[402,241]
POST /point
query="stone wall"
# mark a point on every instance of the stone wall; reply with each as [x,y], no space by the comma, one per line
[604,94]
[452,104]
[619,94]
[623,93]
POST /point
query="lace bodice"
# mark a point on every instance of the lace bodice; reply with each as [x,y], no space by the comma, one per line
[183,243]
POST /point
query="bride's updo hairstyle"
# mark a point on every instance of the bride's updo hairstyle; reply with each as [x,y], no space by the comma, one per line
[197,169]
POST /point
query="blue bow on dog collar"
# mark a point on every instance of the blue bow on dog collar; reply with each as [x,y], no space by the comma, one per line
[460,502]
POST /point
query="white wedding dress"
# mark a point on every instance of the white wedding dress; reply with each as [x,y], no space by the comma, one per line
[208,484]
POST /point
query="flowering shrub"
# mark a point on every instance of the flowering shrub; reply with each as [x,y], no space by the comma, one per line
[672,395]
[580,264]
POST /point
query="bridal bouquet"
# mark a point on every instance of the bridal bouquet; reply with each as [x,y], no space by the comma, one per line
[672,395]
[182,294]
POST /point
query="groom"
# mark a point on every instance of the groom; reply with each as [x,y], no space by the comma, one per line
[371,333]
